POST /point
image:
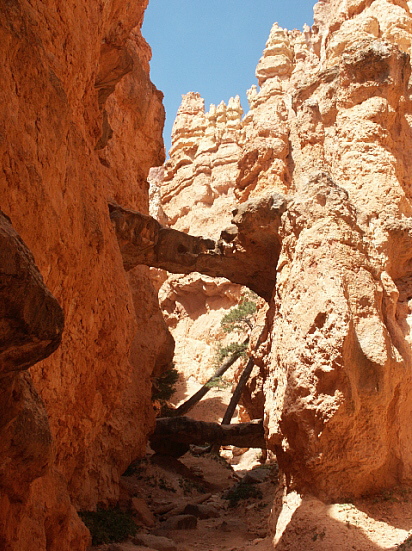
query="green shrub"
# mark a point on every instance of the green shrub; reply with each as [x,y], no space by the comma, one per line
[108,525]
[240,492]
[239,317]
[164,386]
[218,383]
[223,352]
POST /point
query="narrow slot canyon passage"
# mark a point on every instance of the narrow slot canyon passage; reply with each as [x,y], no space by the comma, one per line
[205,342]
[236,194]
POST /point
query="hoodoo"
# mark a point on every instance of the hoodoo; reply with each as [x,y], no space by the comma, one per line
[330,129]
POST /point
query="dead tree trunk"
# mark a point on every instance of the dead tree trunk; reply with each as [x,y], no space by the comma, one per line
[238,392]
[193,400]
[173,435]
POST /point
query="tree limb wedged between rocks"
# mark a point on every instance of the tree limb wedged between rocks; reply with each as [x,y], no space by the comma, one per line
[193,400]
[173,435]
[247,251]
[238,392]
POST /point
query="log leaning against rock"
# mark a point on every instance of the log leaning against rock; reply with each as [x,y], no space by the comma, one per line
[173,435]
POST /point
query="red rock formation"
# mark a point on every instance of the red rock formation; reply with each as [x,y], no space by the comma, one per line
[246,252]
[194,193]
[81,124]
[32,320]
[339,389]
[31,325]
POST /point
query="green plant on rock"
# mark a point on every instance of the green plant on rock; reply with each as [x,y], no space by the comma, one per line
[163,387]
[108,525]
[239,317]
[224,351]
[218,383]
[241,492]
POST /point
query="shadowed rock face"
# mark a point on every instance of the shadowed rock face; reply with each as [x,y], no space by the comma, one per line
[31,320]
[246,253]
[31,326]
[81,124]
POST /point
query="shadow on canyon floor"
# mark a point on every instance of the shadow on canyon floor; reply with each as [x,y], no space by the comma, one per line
[392,507]
[200,485]
[314,526]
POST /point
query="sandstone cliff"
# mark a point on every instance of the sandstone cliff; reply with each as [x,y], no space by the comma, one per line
[329,128]
[81,125]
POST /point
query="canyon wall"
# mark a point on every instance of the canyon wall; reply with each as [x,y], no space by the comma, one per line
[329,127]
[339,379]
[81,125]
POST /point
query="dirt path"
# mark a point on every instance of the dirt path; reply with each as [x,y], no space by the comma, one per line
[201,503]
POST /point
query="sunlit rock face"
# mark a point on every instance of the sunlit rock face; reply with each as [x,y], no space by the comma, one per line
[198,182]
[338,391]
[330,128]
[81,125]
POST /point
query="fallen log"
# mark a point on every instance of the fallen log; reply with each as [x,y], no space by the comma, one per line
[193,400]
[173,435]
[247,252]
[238,392]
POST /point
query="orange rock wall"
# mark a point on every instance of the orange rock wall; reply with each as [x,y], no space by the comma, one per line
[194,193]
[338,392]
[75,77]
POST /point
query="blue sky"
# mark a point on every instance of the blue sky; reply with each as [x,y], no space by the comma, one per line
[212,46]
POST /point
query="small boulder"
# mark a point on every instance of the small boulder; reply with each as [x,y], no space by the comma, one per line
[201,511]
[161,508]
[180,522]
[155,542]
[256,476]
[141,511]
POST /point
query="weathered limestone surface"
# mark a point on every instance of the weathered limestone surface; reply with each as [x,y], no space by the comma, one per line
[246,252]
[198,181]
[194,193]
[31,318]
[330,128]
[338,392]
[81,125]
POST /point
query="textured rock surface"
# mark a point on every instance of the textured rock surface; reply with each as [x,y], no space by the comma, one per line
[194,193]
[198,182]
[31,319]
[338,394]
[330,128]
[31,322]
[81,124]
[245,253]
